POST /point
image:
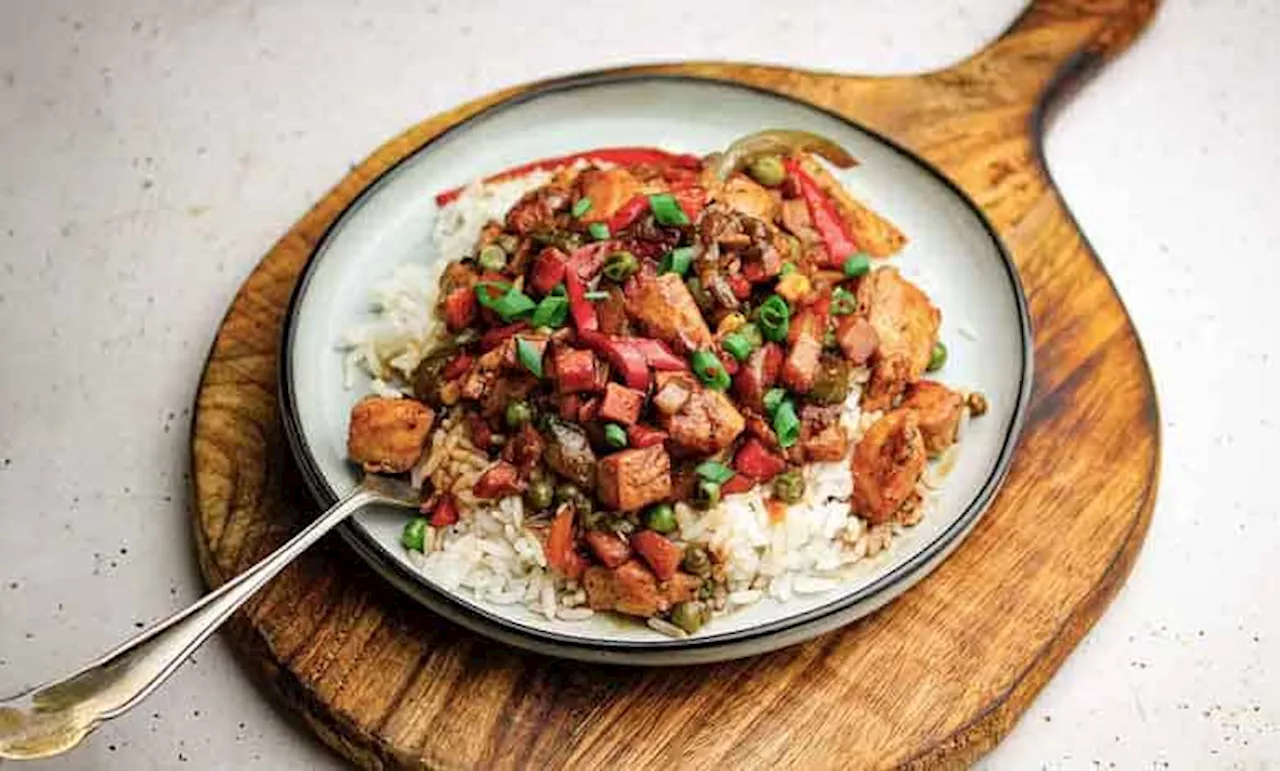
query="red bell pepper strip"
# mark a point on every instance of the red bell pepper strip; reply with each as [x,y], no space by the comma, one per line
[583,312]
[692,200]
[662,555]
[740,285]
[628,361]
[446,512]
[755,461]
[460,308]
[458,367]
[548,270]
[561,555]
[498,335]
[656,353]
[588,260]
[826,220]
[622,156]
[740,483]
[628,213]
[639,436]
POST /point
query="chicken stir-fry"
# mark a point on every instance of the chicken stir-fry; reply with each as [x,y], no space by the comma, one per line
[649,329]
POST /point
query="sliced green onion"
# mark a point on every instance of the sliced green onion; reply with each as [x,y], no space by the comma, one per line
[581,207]
[492,258]
[857,264]
[715,471]
[666,210]
[595,295]
[773,399]
[785,424]
[843,302]
[615,435]
[787,269]
[738,346]
[709,369]
[529,356]
[509,306]
[774,318]
[677,261]
[619,266]
[598,230]
[558,291]
[414,536]
[551,312]
[752,333]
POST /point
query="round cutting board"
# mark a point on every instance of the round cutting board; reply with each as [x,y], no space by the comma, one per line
[934,679]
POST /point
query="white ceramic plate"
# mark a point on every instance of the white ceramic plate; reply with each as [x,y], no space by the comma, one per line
[952,254]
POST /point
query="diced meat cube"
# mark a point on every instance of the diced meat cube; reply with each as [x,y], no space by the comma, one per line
[755,461]
[644,436]
[822,438]
[548,270]
[659,552]
[385,436]
[575,370]
[757,375]
[907,324]
[608,189]
[857,338]
[536,210]
[671,397]
[621,404]
[937,409]
[629,588]
[708,422]
[666,310]
[569,453]
[632,479]
[794,214]
[887,464]
[502,480]
[460,308]
[801,367]
[608,547]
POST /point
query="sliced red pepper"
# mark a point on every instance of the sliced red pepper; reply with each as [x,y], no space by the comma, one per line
[657,354]
[446,512]
[740,285]
[639,436]
[692,201]
[458,367]
[481,434]
[499,335]
[561,555]
[622,156]
[587,261]
[755,461]
[548,270]
[575,370]
[460,308]
[581,309]
[608,547]
[662,555]
[628,213]
[822,211]
[740,483]
[628,361]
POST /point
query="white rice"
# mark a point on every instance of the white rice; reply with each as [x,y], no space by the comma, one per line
[494,554]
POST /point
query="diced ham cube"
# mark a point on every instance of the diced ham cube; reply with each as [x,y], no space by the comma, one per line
[575,370]
[632,479]
[621,404]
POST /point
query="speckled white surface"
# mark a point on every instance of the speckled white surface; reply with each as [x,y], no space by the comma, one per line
[150,151]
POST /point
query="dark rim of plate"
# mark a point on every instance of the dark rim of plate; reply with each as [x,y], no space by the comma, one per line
[474,615]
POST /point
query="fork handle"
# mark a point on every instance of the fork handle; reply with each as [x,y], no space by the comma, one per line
[55,717]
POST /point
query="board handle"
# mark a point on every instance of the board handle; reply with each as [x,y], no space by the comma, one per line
[1053,46]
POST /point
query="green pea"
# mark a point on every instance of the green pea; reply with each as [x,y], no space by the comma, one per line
[539,495]
[690,616]
[696,561]
[492,258]
[621,265]
[661,518]
[937,357]
[615,436]
[789,486]
[767,170]
[414,536]
[518,414]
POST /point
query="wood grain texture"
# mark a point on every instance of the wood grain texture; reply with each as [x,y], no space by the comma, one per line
[933,680]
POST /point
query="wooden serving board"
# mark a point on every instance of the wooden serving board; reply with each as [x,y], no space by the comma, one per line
[935,679]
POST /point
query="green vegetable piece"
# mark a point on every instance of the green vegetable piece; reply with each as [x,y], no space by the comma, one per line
[786,424]
[661,517]
[529,356]
[518,414]
[414,536]
[774,318]
[700,294]
[706,494]
[696,561]
[857,264]
[581,207]
[598,230]
[832,383]
[552,312]
[752,333]
[937,357]
[666,210]
[707,366]
[492,258]
[773,399]
[539,495]
[788,267]
[558,291]
[715,471]
[843,302]
[690,616]
[676,261]
[595,295]
[767,170]
[789,486]
[738,346]
[615,435]
[510,306]
[620,266]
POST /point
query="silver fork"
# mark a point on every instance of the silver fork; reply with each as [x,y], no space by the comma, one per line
[53,718]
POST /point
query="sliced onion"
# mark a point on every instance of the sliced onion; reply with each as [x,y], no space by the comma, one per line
[778,142]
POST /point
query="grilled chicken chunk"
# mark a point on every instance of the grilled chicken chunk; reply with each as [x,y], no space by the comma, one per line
[385,436]
[906,323]
[706,422]
[887,464]
[937,410]
[632,479]
[666,310]
[632,588]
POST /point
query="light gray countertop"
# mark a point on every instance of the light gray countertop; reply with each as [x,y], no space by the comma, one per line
[151,151]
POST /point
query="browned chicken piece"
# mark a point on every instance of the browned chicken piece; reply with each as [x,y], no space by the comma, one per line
[666,310]
[794,214]
[937,409]
[857,339]
[821,436]
[385,436]
[632,479]
[906,323]
[537,210]
[681,587]
[887,464]
[482,376]
[745,195]
[612,312]
[707,421]
[629,588]
[609,190]
[801,366]
[874,234]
